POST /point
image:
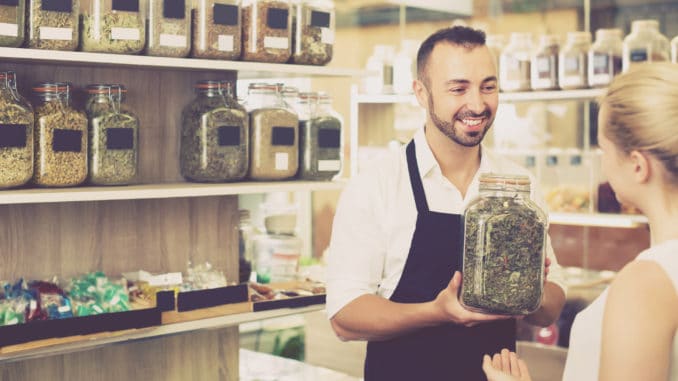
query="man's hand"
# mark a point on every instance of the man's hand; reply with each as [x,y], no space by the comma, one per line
[447,302]
[547,264]
[505,367]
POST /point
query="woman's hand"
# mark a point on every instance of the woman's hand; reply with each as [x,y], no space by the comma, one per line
[505,366]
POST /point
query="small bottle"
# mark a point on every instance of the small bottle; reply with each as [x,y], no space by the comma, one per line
[60,137]
[267,31]
[605,57]
[645,43]
[573,61]
[12,23]
[169,28]
[319,138]
[514,63]
[16,135]
[674,50]
[374,83]
[544,64]
[313,31]
[496,43]
[217,31]
[53,25]
[404,67]
[112,26]
[504,248]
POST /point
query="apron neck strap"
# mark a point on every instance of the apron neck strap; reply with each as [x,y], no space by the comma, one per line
[415,179]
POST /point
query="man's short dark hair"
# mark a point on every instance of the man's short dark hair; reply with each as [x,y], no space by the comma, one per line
[456,35]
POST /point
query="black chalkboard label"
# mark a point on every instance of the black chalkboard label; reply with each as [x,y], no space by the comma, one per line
[66,140]
[320,19]
[126,5]
[276,18]
[229,136]
[120,138]
[12,135]
[282,136]
[174,9]
[225,14]
[638,55]
[329,138]
[57,5]
[9,3]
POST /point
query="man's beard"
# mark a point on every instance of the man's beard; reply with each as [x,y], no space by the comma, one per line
[470,139]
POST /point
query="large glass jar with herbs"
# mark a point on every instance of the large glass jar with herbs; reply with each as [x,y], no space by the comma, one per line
[53,25]
[215,139]
[60,137]
[319,137]
[504,248]
[274,133]
[312,31]
[16,135]
[169,28]
[217,32]
[12,28]
[267,30]
[113,136]
[112,26]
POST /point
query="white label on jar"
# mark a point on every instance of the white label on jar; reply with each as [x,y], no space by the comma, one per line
[276,42]
[329,165]
[544,65]
[225,43]
[572,64]
[326,36]
[50,33]
[281,161]
[11,30]
[172,40]
[131,34]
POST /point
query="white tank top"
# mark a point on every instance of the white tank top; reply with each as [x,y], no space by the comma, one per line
[583,357]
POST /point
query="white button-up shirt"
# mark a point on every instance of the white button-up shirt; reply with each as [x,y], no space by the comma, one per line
[376,217]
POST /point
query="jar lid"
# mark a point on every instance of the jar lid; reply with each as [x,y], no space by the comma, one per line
[51,87]
[266,86]
[7,75]
[609,33]
[549,39]
[579,37]
[496,179]
[645,24]
[212,84]
[308,96]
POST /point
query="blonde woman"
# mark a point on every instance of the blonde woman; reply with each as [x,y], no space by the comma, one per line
[629,332]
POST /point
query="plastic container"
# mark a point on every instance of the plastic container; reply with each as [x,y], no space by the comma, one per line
[573,69]
[113,136]
[313,28]
[544,64]
[215,139]
[496,43]
[567,181]
[53,25]
[267,31]
[274,133]
[16,135]
[381,63]
[504,248]
[112,26]
[404,67]
[12,23]
[645,43]
[169,28]
[319,138]
[217,29]
[605,57]
[245,235]
[60,137]
[674,50]
[514,63]
[276,257]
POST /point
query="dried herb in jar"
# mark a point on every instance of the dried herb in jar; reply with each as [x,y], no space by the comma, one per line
[53,25]
[267,31]
[320,148]
[16,138]
[169,28]
[216,30]
[275,147]
[12,18]
[113,32]
[313,35]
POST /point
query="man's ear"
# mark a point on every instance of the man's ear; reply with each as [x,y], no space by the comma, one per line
[421,92]
[642,167]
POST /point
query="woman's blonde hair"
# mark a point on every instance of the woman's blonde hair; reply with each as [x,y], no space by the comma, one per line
[642,112]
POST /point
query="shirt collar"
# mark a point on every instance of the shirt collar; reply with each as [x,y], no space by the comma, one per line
[426,162]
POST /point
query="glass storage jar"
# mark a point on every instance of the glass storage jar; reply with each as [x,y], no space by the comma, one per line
[53,25]
[217,31]
[112,26]
[12,18]
[573,69]
[504,248]
[544,64]
[215,138]
[313,31]
[605,57]
[60,137]
[267,30]
[113,136]
[169,28]
[319,138]
[245,235]
[276,257]
[514,63]
[16,135]
[644,43]
[496,43]
[274,133]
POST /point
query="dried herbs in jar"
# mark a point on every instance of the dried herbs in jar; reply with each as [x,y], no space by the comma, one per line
[214,135]
[60,138]
[12,28]
[504,246]
[169,28]
[267,31]
[16,135]
[217,33]
[112,26]
[312,32]
[53,24]
[113,136]
[319,140]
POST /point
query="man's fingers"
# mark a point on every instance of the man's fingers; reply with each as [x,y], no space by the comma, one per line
[515,367]
[505,362]
[496,361]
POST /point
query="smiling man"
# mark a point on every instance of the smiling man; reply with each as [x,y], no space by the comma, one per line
[396,243]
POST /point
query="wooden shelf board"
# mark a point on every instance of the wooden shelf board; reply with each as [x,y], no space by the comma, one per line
[527,96]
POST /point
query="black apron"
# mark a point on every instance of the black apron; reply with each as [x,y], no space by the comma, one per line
[446,352]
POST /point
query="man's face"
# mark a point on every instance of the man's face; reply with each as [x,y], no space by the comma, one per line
[461,92]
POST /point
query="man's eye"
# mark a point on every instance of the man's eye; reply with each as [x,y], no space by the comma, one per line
[457,90]
[489,89]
